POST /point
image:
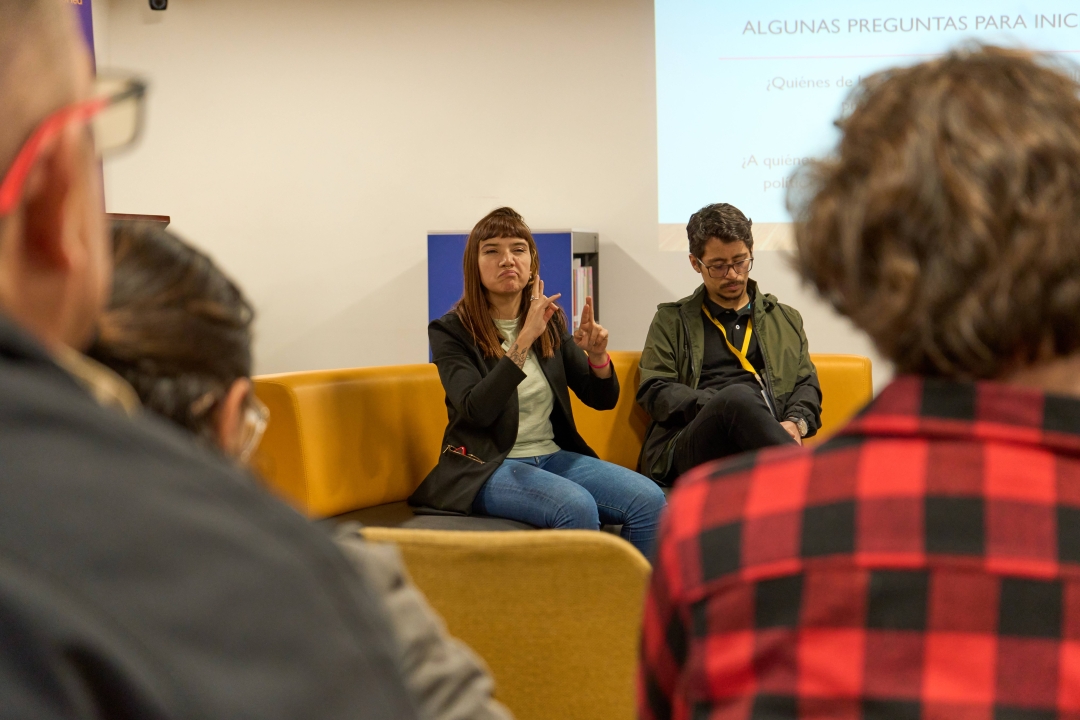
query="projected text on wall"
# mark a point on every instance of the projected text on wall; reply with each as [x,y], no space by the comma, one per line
[748,92]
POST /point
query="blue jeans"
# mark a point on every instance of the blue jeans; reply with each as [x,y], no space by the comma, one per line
[570,491]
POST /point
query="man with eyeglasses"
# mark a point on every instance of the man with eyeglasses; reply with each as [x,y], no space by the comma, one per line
[139,576]
[727,369]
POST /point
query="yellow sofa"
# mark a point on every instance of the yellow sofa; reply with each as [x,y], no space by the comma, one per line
[555,615]
[344,440]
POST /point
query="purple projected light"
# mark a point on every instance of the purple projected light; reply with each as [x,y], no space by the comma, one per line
[86,22]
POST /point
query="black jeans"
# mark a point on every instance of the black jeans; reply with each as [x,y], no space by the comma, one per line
[734,420]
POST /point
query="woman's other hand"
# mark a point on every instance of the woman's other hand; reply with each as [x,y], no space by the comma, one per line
[593,339]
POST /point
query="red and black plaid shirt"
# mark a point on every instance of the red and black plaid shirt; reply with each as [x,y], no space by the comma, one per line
[923,563]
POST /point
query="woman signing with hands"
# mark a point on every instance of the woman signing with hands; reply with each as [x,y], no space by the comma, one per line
[590,336]
[507,363]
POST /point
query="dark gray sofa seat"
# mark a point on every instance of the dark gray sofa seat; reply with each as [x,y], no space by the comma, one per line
[401,514]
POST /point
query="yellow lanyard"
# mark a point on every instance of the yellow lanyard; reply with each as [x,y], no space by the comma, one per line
[745,345]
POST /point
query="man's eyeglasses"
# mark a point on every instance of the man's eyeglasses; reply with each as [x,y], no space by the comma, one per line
[721,271]
[115,114]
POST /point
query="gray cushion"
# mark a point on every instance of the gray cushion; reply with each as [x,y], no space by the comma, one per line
[401,514]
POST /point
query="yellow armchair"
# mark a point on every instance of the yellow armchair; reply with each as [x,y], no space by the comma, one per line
[556,615]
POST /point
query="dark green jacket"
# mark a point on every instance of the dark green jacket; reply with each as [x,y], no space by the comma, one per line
[671,369]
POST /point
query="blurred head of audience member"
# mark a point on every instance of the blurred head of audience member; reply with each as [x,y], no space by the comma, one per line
[54,257]
[104,518]
[179,331]
[947,224]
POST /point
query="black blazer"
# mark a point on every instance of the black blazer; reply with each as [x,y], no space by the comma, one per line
[481,401]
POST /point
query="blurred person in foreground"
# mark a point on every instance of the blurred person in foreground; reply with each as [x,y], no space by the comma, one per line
[179,331]
[140,577]
[925,561]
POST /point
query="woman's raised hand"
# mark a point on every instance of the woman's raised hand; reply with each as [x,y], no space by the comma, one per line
[591,336]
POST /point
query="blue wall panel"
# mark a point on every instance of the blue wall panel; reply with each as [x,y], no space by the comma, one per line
[445,283]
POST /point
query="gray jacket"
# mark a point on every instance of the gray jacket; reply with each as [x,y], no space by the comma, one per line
[447,679]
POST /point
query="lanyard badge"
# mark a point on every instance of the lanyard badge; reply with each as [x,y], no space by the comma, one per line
[740,354]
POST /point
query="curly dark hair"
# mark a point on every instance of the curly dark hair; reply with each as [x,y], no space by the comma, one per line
[177,328]
[947,223]
[721,221]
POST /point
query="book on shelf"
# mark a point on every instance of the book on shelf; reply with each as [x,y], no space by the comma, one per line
[583,288]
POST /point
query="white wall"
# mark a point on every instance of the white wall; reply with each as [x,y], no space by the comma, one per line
[310,146]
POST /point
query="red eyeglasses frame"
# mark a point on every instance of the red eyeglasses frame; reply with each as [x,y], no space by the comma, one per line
[14,181]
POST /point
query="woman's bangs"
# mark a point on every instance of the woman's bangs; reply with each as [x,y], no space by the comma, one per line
[501,226]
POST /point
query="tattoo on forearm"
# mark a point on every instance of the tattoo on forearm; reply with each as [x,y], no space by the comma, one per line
[517,354]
